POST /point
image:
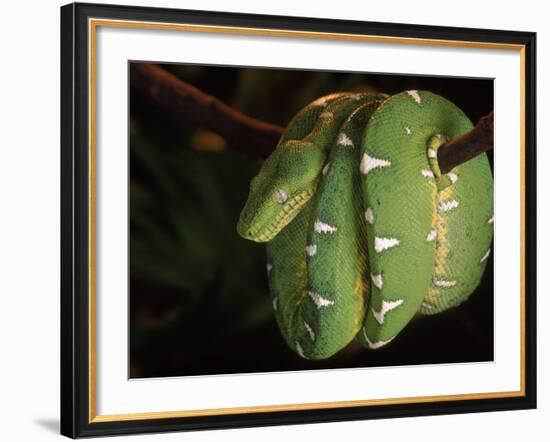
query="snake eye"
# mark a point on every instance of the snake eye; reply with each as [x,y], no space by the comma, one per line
[281,196]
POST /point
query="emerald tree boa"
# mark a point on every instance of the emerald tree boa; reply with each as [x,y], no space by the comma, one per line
[362,230]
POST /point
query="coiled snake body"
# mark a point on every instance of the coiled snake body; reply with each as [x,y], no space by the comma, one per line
[362,229]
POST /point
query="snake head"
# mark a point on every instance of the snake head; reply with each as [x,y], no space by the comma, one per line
[286,182]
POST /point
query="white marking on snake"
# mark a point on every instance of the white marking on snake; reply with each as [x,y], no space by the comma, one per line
[415,96]
[369,215]
[369,163]
[426,305]
[344,140]
[311,250]
[274,302]
[300,350]
[491,220]
[381,244]
[484,257]
[427,173]
[408,130]
[326,114]
[310,331]
[325,169]
[445,206]
[281,196]
[432,153]
[432,235]
[269,267]
[386,307]
[319,300]
[377,280]
[321,227]
[443,283]
[377,344]
[453,177]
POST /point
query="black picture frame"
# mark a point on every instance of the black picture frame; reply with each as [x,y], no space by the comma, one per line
[76,418]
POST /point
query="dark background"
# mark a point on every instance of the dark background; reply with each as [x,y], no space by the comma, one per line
[199,301]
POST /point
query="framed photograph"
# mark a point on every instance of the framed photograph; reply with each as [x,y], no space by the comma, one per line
[278,220]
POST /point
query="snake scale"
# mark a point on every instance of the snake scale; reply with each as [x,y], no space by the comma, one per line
[362,230]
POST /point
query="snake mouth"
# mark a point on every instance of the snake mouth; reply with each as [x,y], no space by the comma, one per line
[284,216]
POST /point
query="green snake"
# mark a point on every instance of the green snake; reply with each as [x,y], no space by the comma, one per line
[363,231]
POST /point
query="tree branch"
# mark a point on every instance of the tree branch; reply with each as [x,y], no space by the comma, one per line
[248,135]
[468,146]
[257,138]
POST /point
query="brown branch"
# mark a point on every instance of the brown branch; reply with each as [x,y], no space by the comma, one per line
[468,146]
[257,138]
[248,135]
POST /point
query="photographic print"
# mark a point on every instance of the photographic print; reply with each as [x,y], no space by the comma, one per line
[297,220]
[257,206]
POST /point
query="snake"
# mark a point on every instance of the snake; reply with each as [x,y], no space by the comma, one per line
[363,231]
